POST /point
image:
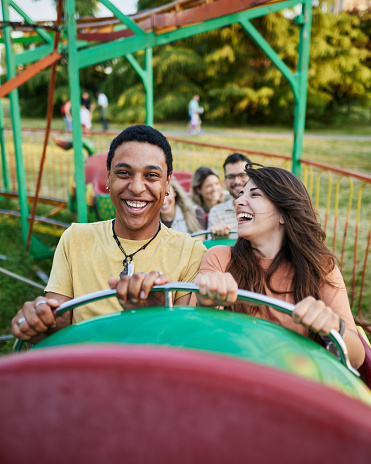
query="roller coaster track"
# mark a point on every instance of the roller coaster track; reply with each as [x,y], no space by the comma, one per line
[175,15]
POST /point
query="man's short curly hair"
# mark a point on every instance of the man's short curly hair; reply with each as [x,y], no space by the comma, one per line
[142,134]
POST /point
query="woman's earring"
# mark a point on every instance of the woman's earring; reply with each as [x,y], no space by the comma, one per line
[107,188]
[167,194]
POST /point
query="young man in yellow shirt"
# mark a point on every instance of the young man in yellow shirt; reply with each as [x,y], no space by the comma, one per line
[131,252]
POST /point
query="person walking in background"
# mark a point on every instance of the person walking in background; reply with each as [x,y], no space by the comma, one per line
[194,111]
[66,111]
[102,102]
[206,189]
[222,217]
[85,100]
[85,119]
[179,213]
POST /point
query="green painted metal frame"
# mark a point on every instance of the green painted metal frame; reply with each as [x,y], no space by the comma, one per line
[16,122]
[4,165]
[81,54]
[298,81]
[75,96]
[37,248]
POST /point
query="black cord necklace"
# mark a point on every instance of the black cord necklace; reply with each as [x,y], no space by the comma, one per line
[128,260]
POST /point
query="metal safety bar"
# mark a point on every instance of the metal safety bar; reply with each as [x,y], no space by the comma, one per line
[243,295]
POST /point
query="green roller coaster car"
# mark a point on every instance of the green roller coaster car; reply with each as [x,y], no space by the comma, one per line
[182,384]
[223,332]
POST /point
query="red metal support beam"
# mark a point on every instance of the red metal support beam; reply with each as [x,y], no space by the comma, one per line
[31,71]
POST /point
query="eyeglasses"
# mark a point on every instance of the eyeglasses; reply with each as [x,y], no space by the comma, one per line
[232,177]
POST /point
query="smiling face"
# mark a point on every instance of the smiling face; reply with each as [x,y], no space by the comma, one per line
[235,177]
[210,191]
[259,220]
[138,182]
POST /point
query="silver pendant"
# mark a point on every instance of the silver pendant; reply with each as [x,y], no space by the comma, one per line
[131,268]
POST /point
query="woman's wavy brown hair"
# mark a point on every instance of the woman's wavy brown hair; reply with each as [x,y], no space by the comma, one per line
[303,244]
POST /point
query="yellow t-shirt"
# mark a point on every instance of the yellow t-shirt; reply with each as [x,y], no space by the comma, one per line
[87,255]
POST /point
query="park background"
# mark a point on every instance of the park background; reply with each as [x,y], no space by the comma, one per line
[248,103]
[237,83]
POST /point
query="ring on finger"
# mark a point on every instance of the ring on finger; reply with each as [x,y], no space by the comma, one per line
[39,303]
[22,319]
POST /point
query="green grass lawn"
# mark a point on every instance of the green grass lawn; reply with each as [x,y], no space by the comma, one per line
[349,154]
[14,259]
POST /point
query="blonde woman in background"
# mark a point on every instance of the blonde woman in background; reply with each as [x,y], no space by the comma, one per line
[179,213]
[206,189]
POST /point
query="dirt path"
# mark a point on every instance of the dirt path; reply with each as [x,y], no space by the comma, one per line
[272,135]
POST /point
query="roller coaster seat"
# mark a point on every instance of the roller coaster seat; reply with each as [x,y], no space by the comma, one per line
[93,165]
[149,404]
[184,178]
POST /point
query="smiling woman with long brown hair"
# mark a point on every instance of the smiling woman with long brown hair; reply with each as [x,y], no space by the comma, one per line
[280,252]
[207,190]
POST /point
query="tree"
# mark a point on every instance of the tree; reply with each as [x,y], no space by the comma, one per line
[339,65]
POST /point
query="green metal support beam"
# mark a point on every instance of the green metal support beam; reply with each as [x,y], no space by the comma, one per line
[37,248]
[75,98]
[272,55]
[4,164]
[146,76]
[30,56]
[305,22]
[27,40]
[16,123]
[148,86]
[122,17]
[298,81]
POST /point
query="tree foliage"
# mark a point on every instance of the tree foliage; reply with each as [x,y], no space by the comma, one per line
[339,65]
[238,83]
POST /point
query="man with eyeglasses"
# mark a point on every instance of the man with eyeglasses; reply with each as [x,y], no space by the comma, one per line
[222,217]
